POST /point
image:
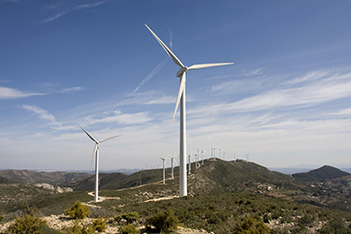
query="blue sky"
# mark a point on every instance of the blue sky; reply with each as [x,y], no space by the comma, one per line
[286,101]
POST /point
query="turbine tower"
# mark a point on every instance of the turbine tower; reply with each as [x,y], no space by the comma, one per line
[96,155]
[181,99]
[164,169]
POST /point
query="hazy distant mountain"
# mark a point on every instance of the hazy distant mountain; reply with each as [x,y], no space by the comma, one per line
[321,174]
[33,177]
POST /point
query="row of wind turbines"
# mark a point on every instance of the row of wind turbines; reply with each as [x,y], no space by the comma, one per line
[180,100]
[196,157]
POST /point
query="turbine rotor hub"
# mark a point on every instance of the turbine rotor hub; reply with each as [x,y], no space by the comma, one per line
[181,71]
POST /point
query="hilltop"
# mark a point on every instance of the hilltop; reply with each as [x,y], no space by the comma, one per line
[322,174]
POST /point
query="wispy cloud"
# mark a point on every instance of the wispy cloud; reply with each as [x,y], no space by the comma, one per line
[162,100]
[255,72]
[10,93]
[118,117]
[70,9]
[43,114]
[319,90]
[308,77]
[72,89]
[152,74]
[344,112]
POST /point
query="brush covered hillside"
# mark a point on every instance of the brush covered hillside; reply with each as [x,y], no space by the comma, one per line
[221,195]
[322,174]
[215,175]
[35,177]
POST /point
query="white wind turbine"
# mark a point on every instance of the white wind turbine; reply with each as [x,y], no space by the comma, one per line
[164,169]
[96,155]
[181,99]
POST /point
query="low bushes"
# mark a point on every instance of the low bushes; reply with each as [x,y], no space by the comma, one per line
[30,223]
[78,211]
[164,221]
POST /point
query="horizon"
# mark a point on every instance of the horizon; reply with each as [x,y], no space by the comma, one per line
[285,101]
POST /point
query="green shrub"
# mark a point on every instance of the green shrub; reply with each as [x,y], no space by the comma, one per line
[129,229]
[250,226]
[267,218]
[164,221]
[99,225]
[31,223]
[78,211]
[130,217]
[1,218]
[336,225]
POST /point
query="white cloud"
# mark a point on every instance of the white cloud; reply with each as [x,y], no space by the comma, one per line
[253,72]
[10,93]
[72,89]
[314,93]
[43,114]
[70,9]
[162,100]
[118,117]
[309,77]
[344,112]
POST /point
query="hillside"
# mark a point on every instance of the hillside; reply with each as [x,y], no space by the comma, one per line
[4,180]
[220,194]
[89,183]
[34,177]
[322,174]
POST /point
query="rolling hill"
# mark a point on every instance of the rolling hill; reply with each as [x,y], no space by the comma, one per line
[322,174]
[34,177]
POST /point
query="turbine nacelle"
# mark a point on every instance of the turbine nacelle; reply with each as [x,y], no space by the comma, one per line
[181,71]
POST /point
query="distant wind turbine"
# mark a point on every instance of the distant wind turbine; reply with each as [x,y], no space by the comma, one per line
[172,166]
[203,152]
[96,155]
[181,99]
[164,169]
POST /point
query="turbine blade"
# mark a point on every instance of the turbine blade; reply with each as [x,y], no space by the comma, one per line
[94,155]
[180,93]
[90,136]
[109,138]
[169,52]
[205,65]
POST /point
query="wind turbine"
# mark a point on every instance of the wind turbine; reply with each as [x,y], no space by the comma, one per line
[164,169]
[202,152]
[181,99]
[96,154]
